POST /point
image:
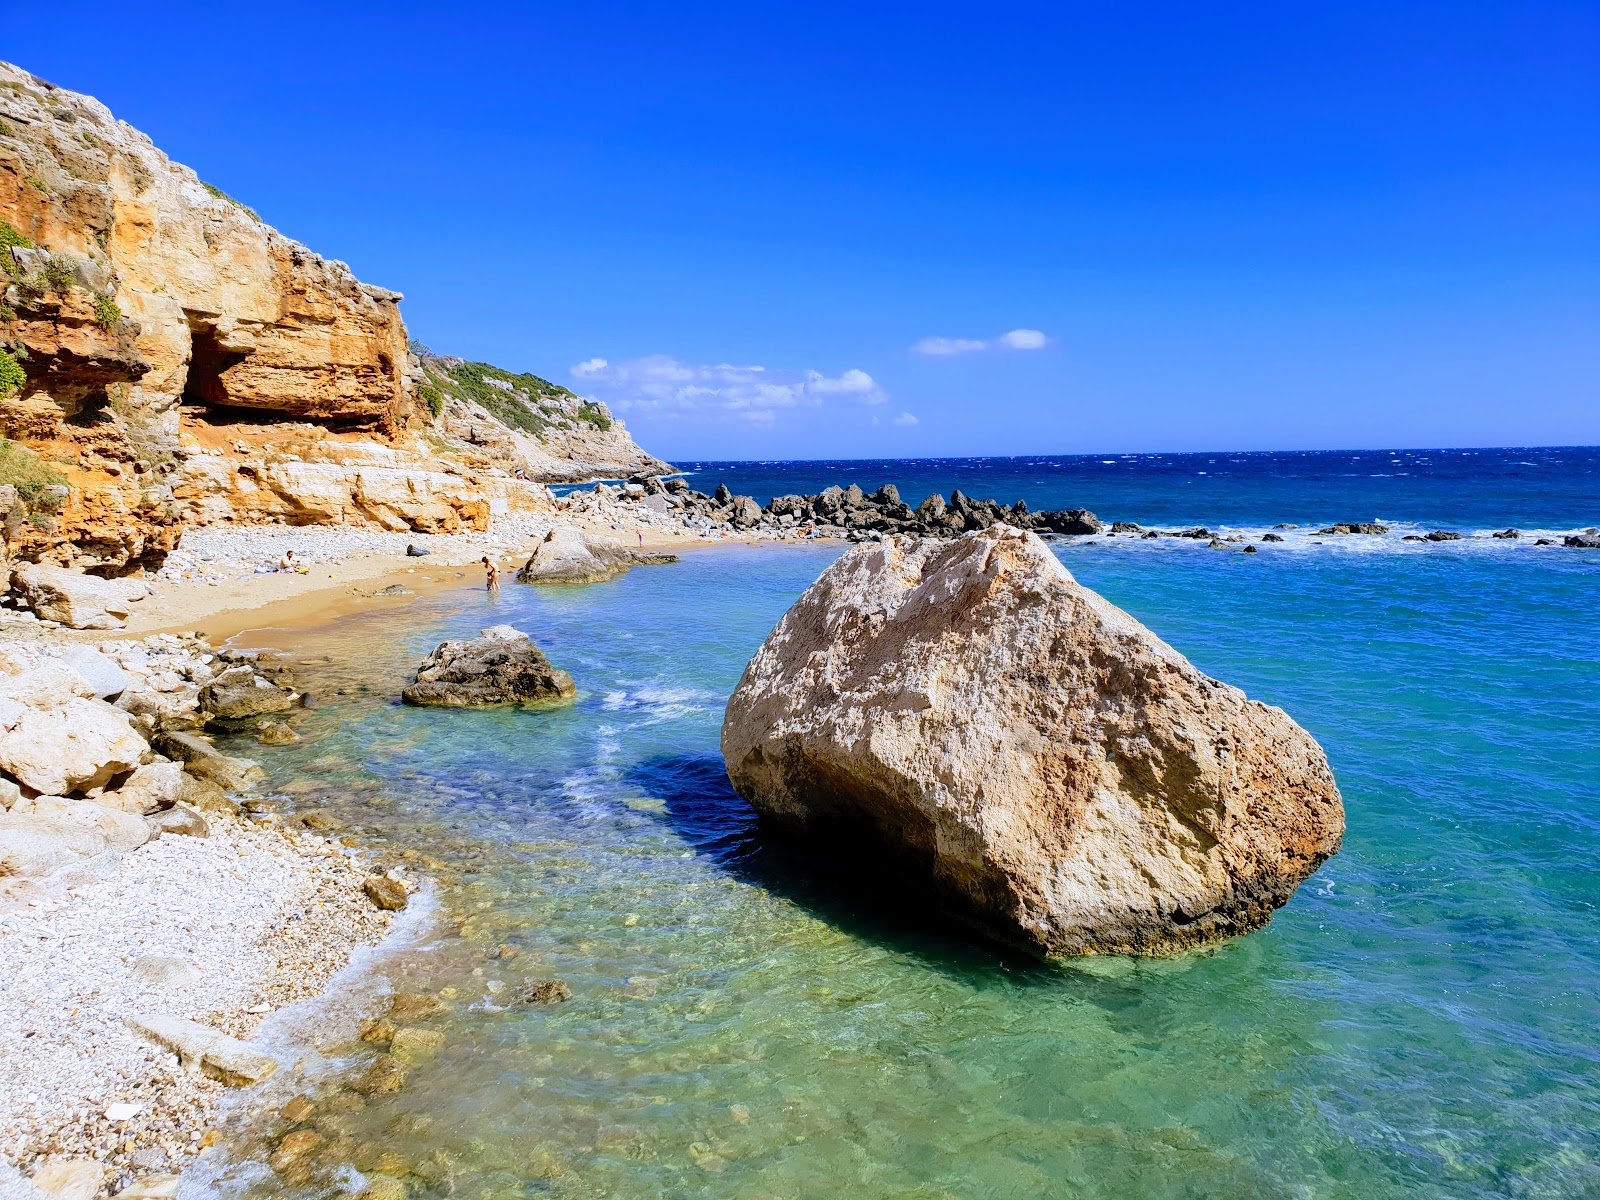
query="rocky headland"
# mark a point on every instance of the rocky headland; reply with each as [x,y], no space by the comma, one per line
[963,714]
[168,360]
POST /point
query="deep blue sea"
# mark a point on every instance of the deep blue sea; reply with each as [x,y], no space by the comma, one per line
[1421,1020]
[1465,489]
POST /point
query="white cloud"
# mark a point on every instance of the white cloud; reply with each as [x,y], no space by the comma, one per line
[1017,339]
[1023,339]
[943,345]
[906,418]
[661,384]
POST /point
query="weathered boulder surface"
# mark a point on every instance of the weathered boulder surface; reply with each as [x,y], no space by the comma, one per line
[57,743]
[239,693]
[567,555]
[1054,773]
[206,1050]
[205,761]
[76,600]
[39,835]
[501,666]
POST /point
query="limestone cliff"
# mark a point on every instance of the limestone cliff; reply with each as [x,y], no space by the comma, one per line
[167,358]
[534,426]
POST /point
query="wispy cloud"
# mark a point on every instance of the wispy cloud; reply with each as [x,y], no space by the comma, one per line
[661,384]
[1016,339]
[906,418]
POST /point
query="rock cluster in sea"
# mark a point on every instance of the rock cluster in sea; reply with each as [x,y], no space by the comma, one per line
[500,666]
[968,719]
[848,511]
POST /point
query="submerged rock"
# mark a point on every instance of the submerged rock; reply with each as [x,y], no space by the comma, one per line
[240,693]
[1054,773]
[546,991]
[501,666]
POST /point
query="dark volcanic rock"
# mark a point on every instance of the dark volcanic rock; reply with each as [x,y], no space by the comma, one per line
[1443,535]
[1353,527]
[1271,537]
[500,667]
[1588,540]
[1508,533]
[1071,520]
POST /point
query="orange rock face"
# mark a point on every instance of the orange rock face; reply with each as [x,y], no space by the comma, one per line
[136,293]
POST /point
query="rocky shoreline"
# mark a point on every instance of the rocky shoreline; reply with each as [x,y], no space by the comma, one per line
[154,909]
[856,515]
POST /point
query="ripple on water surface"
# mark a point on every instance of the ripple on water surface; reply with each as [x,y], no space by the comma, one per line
[1418,1021]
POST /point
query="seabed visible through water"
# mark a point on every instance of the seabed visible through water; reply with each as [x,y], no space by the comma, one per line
[1418,1021]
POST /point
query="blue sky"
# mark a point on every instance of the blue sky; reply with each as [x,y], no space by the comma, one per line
[744,226]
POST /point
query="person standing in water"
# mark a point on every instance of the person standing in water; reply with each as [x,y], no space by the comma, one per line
[491,574]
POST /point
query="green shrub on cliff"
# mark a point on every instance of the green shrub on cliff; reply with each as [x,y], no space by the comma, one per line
[595,415]
[477,382]
[106,312]
[222,195]
[12,376]
[57,275]
[432,397]
[21,468]
[9,237]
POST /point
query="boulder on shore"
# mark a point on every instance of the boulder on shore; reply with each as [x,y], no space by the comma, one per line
[501,666]
[72,598]
[1051,771]
[239,693]
[568,555]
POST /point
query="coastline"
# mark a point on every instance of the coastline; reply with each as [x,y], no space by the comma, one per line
[235,929]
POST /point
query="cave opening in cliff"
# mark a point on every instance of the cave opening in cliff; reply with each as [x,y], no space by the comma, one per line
[207,361]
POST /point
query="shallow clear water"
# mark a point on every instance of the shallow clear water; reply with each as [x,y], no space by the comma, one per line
[1419,1021]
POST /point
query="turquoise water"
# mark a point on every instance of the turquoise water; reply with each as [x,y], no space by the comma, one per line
[1420,1020]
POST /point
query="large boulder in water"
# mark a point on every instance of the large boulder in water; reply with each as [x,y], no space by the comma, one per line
[568,555]
[1055,774]
[501,666]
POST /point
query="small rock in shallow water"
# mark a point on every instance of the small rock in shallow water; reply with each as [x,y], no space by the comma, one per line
[387,892]
[499,667]
[383,1187]
[1443,535]
[377,1030]
[411,1045]
[412,1006]
[276,733]
[384,1075]
[297,1110]
[151,1187]
[294,1147]
[546,991]
[1271,537]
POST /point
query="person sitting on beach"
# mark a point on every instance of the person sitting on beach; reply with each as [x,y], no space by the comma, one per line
[492,575]
[287,562]
[810,530]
